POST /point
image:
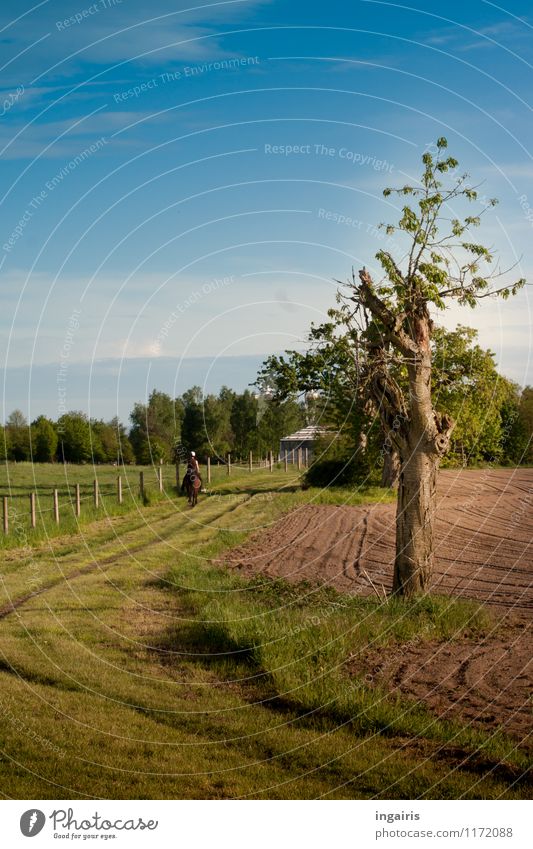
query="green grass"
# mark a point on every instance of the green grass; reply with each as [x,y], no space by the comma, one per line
[295,641]
[18,480]
[143,670]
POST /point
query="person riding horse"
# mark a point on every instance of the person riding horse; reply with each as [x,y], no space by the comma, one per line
[192,473]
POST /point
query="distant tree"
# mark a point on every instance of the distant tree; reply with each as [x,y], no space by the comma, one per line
[525,412]
[193,431]
[44,440]
[74,438]
[218,420]
[4,446]
[110,442]
[122,446]
[278,418]
[467,385]
[18,436]
[243,421]
[155,428]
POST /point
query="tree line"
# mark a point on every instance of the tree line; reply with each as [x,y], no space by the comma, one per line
[494,416]
[161,429]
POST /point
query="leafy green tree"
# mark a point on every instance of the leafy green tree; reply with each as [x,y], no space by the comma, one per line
[18,436]
[74,435]
[520,428]
[483,404]
[243,421]
[4,445]
[218,419]
[194,433]
[278,419]
[44,440]
[110,442]
[155,428]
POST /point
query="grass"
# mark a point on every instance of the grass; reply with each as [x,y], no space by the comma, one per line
[143,670]
[18,480]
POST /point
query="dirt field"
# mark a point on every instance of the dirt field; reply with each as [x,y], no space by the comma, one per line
[483,552]
[484,542]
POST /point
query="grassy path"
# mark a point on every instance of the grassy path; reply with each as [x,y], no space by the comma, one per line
[128,670]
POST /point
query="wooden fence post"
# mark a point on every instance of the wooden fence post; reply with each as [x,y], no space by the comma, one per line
[6,515]
[208,469]
[56,506]
[119,489]
[96,493]
[141,484]
[299,458]
[271,460]
[78,501]
[286,461]
[160,479]
[229,464]
[251,461]
[33,519]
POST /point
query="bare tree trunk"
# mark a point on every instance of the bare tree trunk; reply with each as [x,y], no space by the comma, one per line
[427,440]
[390,474]
[415,519]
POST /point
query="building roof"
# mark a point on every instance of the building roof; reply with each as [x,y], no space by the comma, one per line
[306,434]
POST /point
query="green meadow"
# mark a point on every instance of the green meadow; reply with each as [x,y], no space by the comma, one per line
[134,666]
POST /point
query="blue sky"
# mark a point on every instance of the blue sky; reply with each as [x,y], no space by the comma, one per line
[181,184]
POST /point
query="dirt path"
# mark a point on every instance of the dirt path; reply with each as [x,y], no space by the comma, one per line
[484,552]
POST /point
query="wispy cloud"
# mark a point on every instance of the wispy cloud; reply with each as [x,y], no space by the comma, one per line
[120,33]
[513,35]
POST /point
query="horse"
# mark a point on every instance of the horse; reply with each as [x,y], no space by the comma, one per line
[192,485]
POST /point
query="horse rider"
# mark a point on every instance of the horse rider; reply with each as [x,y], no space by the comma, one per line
[193,470]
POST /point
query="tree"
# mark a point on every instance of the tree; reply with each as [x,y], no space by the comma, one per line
[74,433]
[18,436]
[326,376]
[155,428]
[392,326]
[525,412]
[277,419]
[43,440]
[194,433]
[4,445]
[483,404]
[243,420]
[110,442]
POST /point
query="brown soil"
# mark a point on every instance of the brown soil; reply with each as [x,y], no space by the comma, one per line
[485,683]
[483,551]
[484,539]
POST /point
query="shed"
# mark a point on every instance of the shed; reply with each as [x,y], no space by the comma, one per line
[304,439]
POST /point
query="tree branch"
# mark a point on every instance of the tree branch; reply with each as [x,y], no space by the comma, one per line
[391,322]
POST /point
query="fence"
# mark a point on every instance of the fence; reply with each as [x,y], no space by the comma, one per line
[36,500]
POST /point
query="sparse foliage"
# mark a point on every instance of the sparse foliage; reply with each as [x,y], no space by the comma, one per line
[391,327]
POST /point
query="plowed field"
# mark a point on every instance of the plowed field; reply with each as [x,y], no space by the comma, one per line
[483,552]
[484,542]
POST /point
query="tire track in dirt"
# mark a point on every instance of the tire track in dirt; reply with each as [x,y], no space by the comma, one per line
[485,683]
[484,531]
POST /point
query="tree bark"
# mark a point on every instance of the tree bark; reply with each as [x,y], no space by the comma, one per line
[427,439]
[415,519]
[420,434]
[390,473]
